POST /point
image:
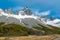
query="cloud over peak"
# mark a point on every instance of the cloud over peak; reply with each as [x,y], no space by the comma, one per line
[45,13]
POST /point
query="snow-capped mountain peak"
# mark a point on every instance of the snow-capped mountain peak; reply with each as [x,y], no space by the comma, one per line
[26,18]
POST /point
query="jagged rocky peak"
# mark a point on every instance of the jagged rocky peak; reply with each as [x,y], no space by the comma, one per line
[52,18]
[9,11]
[27,11]
[24,11]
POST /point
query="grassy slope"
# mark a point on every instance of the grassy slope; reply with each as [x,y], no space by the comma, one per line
[17,30]
[13,29]
[53,30]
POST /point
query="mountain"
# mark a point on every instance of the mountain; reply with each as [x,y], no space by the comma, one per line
[26,23]
[26,18]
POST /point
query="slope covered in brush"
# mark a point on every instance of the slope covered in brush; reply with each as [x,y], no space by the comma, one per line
[12,29]
[20,30]
[46,30]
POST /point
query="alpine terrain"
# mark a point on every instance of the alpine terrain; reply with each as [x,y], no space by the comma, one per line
[26,22]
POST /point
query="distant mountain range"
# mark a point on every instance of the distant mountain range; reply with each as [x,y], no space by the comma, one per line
[26,18]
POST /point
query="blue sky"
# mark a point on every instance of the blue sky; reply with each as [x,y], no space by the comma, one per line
[34,5]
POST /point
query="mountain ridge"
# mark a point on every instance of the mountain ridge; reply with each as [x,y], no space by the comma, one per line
[27,19]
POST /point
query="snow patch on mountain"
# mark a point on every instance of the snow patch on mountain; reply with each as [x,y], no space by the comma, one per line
[55,22]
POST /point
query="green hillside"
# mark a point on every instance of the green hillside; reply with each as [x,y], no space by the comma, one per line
[12,29]
[53,30]
[19,30]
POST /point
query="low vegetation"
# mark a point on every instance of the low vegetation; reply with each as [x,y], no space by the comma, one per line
[53,30]
[19,30]
[13,29]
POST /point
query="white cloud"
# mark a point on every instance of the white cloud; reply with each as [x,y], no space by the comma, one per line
[45,13]
[42,13]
